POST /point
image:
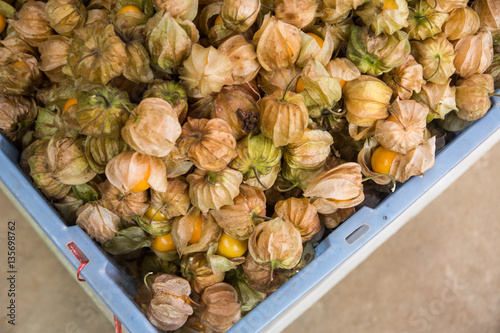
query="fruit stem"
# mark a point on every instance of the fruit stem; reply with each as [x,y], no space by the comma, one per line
[493,95]
[393,181]
[437,69]
[399,84]
[288,86]
[258,179]
[294,185]
[146,281]
[265,218]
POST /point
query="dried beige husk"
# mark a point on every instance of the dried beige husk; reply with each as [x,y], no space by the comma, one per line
[440,98]
[336,188]
[302,214]
[366,100]
[169,308]
[53,55]
[198,272]
[436,55]
[209,144]
[311,50]
[239,220]
[182,230]
[283,117]
[278,44]
[15,78]
[31,23]
[474,54]
[489,14]
[408,131]
[239,15]
[98,222]
[382,19]
[405,79]
[153,128]
[206,71]
[183,9]
[262,277]
[65,16]
[174,202]
[125,205]
[127,169]
[473,99]
[222,308]
[213,189]
[425,21]
[176,163]
[447,5]
[17,114]
[332,221]
[300,13]
[343,70]
[463,22]
[242,55]
[311,151]
[278,80]
[99,151]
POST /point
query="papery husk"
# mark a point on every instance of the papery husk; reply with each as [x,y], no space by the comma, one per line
[153,128]
[330,15]
[207,16]
[264,182]
[310,152]
[300,178]
[336,188]
[242,55]
[130,20]
[64,16]
[176,164]
[447,5]
[169,309]
[342,6]
[138,68]
[463,22]
[100,16]
[96,55]
[182,230]
[440,98]
[321,91]
[239,219]
[376,55]
[408,131]
[278,80]
[53,54]
[494,70]
[98,222]
[283,117]
[68,208]
[209,144]
[99,151]
[436,55]
[453,123]
[340,34]
[366,100]
[219,263]
[405,79]
[489,14]
[128,168]
[198,272]
[364,160]
[169,41]
[52,120]
[174,202]
[206,71]
[202,108]
[17,114]
[183,9]
[261,277]
[14,43]
[302,214]
[18,80]
[360,133]
[239,15]
[212,190]
[102,112]
[300,13]
[311,50]
[343,70]
[332,221]
[124,205]
[425,21]
[256,154]
[66,158]
[384,20]
[473,99]
[222,309]
[31,23]
[277,242]
[239,108]
[474,54]
[34,157]
[278,44]
[58,95]
[172,92]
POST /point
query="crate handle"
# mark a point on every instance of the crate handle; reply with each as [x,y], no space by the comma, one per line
[80,257]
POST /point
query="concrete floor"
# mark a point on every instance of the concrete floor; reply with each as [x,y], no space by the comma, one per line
[439,273]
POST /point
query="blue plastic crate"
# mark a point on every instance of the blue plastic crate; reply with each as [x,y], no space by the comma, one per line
[112,284]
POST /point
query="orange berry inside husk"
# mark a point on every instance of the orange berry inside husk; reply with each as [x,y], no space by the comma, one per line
[392,118]
[153,214]
[3,23]
[300,86]
[382,159]
[218,20]
[128,9]
[390,5]
[21,64]
[317,38]
[163,243]
[143,184]
[196,235]
[69,103]
[230,247]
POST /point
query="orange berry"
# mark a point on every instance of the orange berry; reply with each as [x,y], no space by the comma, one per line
[392,118]
[154,215]
[143,184]
[163,243]
[3,23]
[69,103]
[390,5]
[318,39]
[300,86]
[382,160]
[218,20]
[342,83]
[196,235]
[20,63]
[129,8]
[230,247]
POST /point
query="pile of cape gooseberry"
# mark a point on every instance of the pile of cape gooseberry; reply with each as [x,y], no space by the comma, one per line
[210,145]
